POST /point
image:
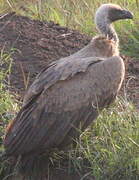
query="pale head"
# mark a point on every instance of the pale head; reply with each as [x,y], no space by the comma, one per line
[108,13]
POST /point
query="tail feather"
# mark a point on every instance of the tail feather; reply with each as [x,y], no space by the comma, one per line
[33,167]
[7,166]
[25,167]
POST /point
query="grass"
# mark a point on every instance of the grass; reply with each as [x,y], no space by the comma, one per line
[113,144]
[8,106]
[6,99]
[110,148]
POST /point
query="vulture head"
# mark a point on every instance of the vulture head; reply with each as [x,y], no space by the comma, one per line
[108,13]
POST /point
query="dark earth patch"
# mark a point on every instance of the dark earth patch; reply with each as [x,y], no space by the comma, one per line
[36,44]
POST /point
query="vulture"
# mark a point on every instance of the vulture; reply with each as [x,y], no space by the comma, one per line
[68,94]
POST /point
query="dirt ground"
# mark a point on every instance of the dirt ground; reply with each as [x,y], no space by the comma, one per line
[37,43]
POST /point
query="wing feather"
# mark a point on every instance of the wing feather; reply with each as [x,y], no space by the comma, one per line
[63,98]
[56,71]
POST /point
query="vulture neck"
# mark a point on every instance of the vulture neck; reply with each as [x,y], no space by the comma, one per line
[105,27]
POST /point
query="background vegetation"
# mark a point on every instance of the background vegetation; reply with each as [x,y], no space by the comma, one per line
[110,147]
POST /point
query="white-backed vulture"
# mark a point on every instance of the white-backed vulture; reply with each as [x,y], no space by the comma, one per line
[67,95]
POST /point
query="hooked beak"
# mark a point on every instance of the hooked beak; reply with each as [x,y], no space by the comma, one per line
[127,14]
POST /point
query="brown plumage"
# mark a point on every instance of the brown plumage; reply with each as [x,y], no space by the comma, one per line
[67,95]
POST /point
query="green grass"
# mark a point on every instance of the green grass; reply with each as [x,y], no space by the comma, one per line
[110,148]
[113,144]
[7,105]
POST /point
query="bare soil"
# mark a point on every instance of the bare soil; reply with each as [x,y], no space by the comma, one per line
[37,43]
